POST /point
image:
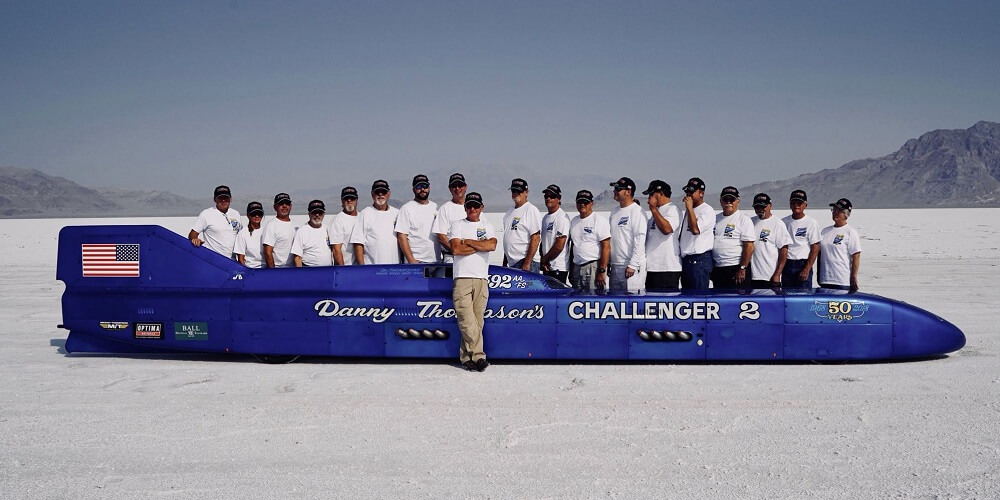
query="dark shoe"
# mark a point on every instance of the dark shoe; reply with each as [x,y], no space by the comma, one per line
[470,365]
[481,364]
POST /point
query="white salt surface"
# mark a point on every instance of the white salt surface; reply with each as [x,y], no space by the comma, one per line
[101,426]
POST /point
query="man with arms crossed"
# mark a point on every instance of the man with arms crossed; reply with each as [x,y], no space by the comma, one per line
[311,247]
[413,226]
[217,225]
[628,239]
[804,249]
[279,233]
[770,250]
[734,239]
[472,240]
[663,257]
[696,239]
[448,213]
[248,246]
[374,237]
[340,227]
[522,225]
[591,239]
[555,233]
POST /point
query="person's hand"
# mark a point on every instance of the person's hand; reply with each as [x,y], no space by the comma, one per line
[526,266]
[804,275]
[601,280]
[196,242]
[629,272]
[652,205]
[689,202]
[741,276]
[854,284]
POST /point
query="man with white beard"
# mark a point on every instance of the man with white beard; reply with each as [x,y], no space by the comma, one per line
[414,225]
[590,235]
[311,247]
[217,225]
[341,225]
[374,237]
[279,233]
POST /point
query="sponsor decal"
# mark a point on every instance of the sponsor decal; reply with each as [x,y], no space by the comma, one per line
[623,221]
[840,310]
[800,232]
[148,330]
[593,309]
[838,239]
[190,330]
[114,325]
[765,234]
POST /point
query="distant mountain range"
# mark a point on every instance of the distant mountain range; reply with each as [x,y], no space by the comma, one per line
[942,168]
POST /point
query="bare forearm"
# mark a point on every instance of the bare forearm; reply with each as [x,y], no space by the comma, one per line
[269,255]
[338,254]
[404,245]
[359,253]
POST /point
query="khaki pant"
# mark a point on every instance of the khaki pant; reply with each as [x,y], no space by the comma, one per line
[470,296]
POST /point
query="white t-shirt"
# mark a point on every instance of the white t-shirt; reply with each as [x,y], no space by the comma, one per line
[249,246]
[628,236]
[279,235]
[476,265]
[339,228]
[836,246]
[518,226]
[730,233]
[663,252]
[804,233]
[416,221]
[218,230]
[772,235]
[586,236]
[376,231]
[447,213]
[554,226]
[313,245]
[694,244]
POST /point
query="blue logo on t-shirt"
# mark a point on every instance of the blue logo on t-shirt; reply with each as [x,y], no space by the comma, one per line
[764,234]
[549,227]
[728,232]
[839,238]
[481,233]
[623,221]
[588,230]
[800,232]
[514,223]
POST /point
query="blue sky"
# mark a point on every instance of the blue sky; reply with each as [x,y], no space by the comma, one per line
[273,96]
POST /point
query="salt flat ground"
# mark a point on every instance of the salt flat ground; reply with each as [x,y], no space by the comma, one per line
[85,426]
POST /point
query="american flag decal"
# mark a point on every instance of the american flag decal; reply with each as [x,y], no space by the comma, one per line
[115,260]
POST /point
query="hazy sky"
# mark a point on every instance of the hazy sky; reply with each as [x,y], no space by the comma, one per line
[284,95]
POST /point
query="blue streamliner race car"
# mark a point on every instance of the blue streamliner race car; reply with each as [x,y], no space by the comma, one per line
[145,289]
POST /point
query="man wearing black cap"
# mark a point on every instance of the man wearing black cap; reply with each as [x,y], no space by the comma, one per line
[217,225]
[340,226]
[472,240]
[311,246]
[627,269]
[279,233]
[802,252]
[414,225]
[555,233]
[770,249]
[663,257]
[591,238]
[522,226]
[249,250]
[839,250]
[374,236]
[733,246]
[448,213]
[695,238]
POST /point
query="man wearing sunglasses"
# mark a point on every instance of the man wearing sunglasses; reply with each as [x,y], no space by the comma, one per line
[414,225]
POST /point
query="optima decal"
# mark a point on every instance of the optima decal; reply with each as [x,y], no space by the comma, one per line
[650,310]
[148,330]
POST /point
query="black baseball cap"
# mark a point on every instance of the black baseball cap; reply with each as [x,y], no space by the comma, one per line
[474,199]
[843,204]
[730,191]
[421,179]
[798,194]
[761,200]
[317,206]
[222,191]
[254,207]
[658,185]
[624,183]
[348,193]
[282,198]
[380,185]
[584,196]
[456,178]
[553,191]
[518,185]
[694,184]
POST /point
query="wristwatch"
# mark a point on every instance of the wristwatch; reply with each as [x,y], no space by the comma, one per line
[601,270]
[743,268]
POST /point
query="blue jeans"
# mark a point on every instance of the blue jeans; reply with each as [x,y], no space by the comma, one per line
[790,274]
[696,271]
[536,267]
